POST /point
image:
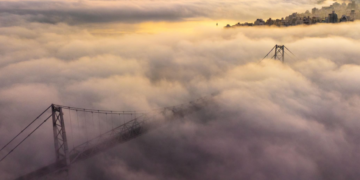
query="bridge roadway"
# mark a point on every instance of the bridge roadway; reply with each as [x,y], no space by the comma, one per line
[118,135]
[125,132]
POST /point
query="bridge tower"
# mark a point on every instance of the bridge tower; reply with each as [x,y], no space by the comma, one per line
[279,53]
[60,140]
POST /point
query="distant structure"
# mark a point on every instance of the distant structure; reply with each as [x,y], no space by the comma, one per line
[279,53]
[352,5]
[332,14]
[315,10]
[344,18]
[352,15]
[259,22]
[333,17]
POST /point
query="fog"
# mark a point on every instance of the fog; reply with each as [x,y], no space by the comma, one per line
[83,11]
[266,120]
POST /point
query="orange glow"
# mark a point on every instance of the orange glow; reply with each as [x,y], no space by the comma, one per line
[186,27]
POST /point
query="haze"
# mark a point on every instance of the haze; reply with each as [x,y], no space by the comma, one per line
[296,120]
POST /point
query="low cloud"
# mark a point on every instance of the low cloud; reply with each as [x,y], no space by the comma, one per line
[268,120]
[84,12]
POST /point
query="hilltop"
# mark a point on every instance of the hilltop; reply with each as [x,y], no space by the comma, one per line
[330,14]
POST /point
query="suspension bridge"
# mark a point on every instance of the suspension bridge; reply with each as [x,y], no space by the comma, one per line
[95,131]
[80,133]
[279,53]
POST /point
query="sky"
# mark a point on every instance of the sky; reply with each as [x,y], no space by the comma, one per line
[266,120]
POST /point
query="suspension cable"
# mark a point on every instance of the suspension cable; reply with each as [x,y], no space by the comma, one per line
[12,150]
[92,120]
[95,110]
[119,119]
[108,132]
[77,119]
[86,133]
[99,124]
[269,52]
[24,129]
[72,139]
[112,121]
[106,118]
[289,51]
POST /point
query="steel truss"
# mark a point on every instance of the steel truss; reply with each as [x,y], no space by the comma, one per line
[125,132]
[279,53]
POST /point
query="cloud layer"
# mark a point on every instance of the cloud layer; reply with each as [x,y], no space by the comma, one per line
[82,12]
[269,120]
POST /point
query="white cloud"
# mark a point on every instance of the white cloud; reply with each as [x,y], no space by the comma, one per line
[296,120]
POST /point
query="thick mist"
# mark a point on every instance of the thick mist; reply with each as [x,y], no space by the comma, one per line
[267,119]
[103,11]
